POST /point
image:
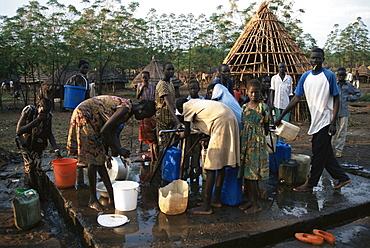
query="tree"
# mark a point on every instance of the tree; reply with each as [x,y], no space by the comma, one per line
[348,47]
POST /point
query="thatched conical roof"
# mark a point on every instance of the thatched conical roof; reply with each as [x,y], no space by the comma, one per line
[363,71]
[155,68]
[264,43]
[109,76]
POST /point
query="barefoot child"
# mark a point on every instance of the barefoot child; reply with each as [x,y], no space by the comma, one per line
[254,164]
[218,121]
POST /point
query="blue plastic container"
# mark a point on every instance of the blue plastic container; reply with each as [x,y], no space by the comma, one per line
[171,164]
[283,151]
[73,95]
[231,193]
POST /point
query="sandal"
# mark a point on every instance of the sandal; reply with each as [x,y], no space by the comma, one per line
[350,166]
[309,238]
[330,238]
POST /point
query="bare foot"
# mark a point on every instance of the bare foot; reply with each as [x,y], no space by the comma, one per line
[200,210]
[213,204]
[253,209]
[97,206]
[246,206]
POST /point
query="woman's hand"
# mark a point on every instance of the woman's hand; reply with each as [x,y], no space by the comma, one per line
[124,152]
[181,134]
[57,153]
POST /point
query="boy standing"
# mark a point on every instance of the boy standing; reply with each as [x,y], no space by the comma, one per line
[33,133]
[347,93]
[146,91]
[281,91]
[322,94]
[193,88]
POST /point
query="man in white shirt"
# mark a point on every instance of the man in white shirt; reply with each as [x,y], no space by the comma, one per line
[322,94]
[281,92]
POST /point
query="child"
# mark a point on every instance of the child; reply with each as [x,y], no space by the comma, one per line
[34,130]
[322,94]
[223,149]
[194,154]
[146,91]
[193,88]
[348,92]
[254,164]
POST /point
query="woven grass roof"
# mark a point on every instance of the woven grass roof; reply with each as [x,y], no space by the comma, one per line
[265,43]
[155,69]
[363,71]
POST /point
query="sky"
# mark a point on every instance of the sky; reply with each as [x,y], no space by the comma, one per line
[318,19]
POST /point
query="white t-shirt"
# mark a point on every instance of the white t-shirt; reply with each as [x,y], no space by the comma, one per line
[319,89]
[283,89]
[349,77]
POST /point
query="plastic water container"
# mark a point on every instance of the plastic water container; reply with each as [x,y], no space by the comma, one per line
[304,165]
[288,172]
[283,150]
[64,172]
[173,198]
[287,130]
[125,195]
[26,209]
[231,193]
[171,164]
[73,95]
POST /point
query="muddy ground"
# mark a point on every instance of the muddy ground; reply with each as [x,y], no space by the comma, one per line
[52,234]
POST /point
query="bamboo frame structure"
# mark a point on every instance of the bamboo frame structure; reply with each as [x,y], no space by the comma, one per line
[264,43]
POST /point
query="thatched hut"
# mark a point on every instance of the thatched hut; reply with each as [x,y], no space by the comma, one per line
[364,73]
[265,43]
[111,78]
[155,68]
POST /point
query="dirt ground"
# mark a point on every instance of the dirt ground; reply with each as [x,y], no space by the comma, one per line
[356,151]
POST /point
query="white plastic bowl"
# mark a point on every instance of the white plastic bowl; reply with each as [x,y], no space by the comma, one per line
[100,187]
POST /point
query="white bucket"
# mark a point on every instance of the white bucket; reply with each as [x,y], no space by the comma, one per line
[125,195]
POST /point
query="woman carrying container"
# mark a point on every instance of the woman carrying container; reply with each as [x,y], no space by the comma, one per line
[93,127]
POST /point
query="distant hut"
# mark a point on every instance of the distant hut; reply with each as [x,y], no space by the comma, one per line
[263,44]
[364,73]
[155,68]
[51,88]
[111,78]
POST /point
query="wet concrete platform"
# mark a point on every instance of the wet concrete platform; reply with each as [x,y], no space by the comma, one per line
[284,213]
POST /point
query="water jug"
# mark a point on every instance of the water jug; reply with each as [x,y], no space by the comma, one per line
[304,162]
[231,193]
[26,209]
[287,130]
[282,151]
[288,172]
[171,164]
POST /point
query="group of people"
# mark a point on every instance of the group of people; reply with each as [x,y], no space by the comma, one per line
[236,129]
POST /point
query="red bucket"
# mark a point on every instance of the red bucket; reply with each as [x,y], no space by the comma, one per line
[64,172]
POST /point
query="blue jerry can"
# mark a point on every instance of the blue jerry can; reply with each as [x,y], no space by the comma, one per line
[283,151]
[171,164]
[231,193]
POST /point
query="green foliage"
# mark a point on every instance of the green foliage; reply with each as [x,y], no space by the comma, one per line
[348,47]
[108,35]
[365,97]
